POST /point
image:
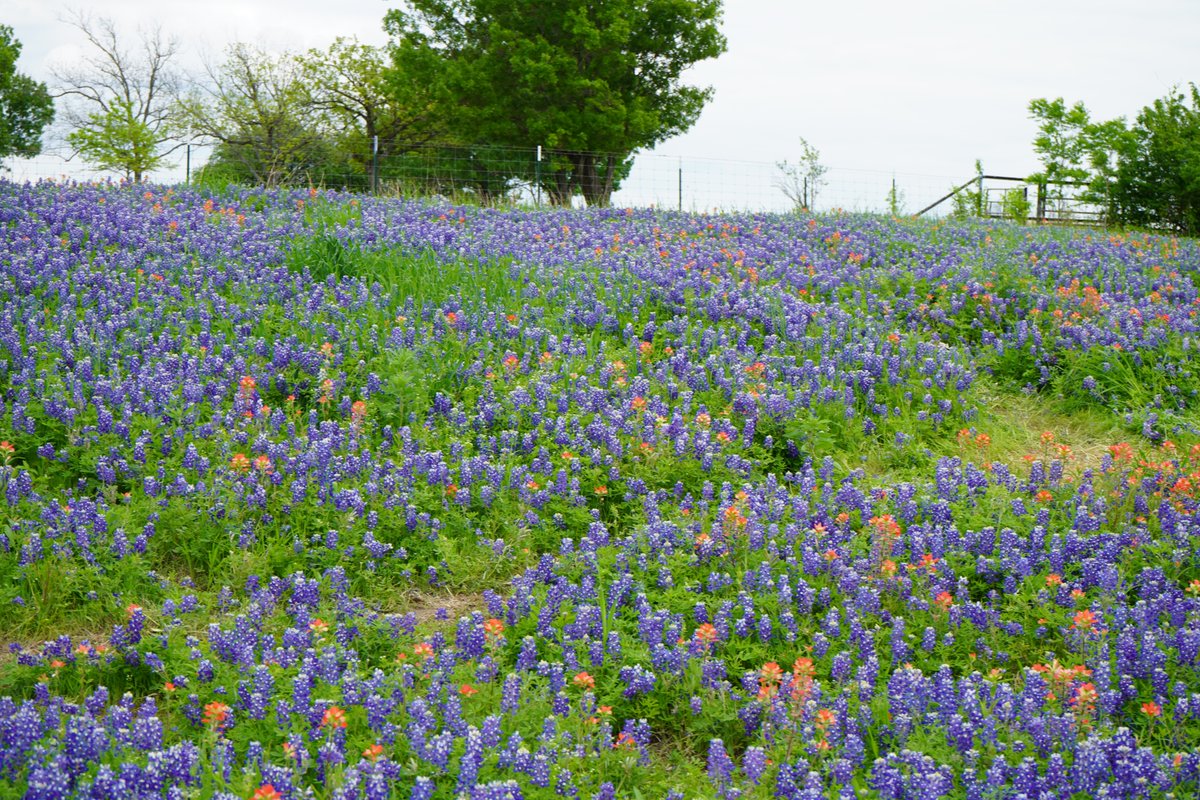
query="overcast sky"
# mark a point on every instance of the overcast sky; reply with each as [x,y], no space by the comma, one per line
[920,89]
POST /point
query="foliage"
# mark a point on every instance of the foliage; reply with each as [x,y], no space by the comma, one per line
[117,139]
[1015,205]
[1142,174]
[968,201]
[26,107]
[120,106]
[1157,180]
[895,200]
[576,78]
[1062,142]
[1075,151]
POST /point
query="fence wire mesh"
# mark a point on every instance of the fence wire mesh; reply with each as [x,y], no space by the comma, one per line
[532,176]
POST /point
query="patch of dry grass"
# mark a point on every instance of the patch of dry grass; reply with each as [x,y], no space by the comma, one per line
[1022,426]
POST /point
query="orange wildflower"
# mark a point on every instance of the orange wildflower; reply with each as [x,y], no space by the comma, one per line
[1085,699]
[215,714]
[334,717]
[1121,451]
[770,673]
[625,740]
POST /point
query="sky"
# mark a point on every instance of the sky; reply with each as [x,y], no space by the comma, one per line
[914,92]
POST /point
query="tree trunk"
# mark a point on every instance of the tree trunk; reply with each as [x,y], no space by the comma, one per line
[370,159]
[597,175]
[559,188]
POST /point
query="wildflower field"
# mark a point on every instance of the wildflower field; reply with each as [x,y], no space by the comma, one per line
[314,495]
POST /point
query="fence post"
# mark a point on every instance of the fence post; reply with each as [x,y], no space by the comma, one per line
[187,174]
[375,165]
[681,184]
[1041,201]
[537,175]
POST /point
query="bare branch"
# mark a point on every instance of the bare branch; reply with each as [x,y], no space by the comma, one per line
[118,91]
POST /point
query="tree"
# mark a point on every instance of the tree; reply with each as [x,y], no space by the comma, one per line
[118,140]
[1147,173]
[895,200]
[802,181]
[121,104]
[26,107]
[1157,177]
[1061,143]
[362,102]
[591,81]
[1075,150]
[255,110]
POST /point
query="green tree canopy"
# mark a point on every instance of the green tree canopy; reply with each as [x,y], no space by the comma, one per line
[117,139]
[1147,173]
[1157,181]
[578,77]
[1062,140]
[26,107]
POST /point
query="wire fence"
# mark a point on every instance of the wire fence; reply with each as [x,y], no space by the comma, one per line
[536,176]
